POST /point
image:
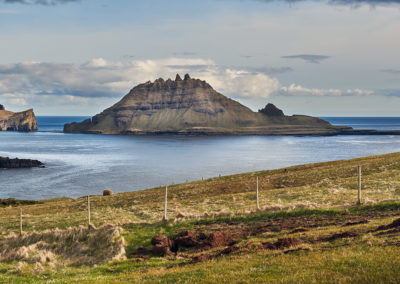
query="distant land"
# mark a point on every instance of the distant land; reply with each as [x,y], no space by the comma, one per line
[193,107]
[24,121]
[7,163]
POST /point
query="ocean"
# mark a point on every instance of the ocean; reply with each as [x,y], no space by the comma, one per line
[82,164]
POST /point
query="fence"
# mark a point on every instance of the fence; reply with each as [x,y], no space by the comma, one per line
[165,213]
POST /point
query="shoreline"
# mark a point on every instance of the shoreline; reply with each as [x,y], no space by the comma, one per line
[217,178]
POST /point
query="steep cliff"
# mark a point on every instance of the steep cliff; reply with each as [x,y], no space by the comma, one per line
[192,106]
[19,121]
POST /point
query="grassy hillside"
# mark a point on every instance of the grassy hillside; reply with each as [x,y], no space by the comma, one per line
[309,229]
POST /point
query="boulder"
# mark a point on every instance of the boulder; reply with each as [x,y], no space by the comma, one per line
[107,192]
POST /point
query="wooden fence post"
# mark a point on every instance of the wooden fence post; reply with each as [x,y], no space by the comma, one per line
[20,221]
[166,203]
[88,207]
[258,201]
[359,185]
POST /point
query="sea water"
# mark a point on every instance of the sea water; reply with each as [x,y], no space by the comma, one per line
[82,164]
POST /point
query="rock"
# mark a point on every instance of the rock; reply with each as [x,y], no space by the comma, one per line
[24,121]
[271,110]
[192,106]
[107,192]
[7,163]
[162,245]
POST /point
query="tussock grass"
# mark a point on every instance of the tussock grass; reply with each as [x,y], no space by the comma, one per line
[74,246]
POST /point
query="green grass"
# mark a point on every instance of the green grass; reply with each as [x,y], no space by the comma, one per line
[323,195]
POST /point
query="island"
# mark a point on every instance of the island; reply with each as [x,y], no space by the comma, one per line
[7,163]
[192,107]
[24,121]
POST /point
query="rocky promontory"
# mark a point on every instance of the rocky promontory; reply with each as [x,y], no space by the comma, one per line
[192,107]
[7,163]
[24,121]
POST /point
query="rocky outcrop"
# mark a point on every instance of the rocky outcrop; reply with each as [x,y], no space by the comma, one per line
[7,163]
[272,110]
[192,106]
[19,121]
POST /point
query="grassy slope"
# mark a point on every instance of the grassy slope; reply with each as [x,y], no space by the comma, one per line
[324,193]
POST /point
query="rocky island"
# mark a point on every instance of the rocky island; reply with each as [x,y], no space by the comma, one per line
[24,121]
[7,163]
[192,107]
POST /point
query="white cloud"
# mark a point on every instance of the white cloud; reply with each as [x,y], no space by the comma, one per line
[33,82]
[294,89]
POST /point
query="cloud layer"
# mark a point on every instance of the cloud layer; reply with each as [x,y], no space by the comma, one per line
[344,2]
[309,58]
[23,83]
[38,2]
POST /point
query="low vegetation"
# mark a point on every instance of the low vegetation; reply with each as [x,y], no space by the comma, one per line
[309,229]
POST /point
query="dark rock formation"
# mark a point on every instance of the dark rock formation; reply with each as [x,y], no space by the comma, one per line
[271,110]
[192,106]
[19,121]
[7,163]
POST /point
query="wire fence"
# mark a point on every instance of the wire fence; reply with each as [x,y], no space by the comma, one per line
[52,221]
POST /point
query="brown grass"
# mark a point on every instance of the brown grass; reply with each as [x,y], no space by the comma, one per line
[74,246]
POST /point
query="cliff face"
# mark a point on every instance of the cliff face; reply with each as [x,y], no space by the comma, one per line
[19,121]
[190,106]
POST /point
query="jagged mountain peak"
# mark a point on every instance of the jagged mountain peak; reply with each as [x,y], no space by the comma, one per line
[185,106]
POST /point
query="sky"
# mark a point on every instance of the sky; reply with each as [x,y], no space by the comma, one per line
[321,58]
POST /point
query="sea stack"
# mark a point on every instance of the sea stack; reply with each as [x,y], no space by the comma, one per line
[192,106]
[24,121]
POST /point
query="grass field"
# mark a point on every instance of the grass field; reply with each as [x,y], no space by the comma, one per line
[315,205]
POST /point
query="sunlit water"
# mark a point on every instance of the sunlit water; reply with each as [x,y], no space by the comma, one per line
[81,164]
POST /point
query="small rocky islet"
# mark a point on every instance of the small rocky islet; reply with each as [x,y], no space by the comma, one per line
[7,163]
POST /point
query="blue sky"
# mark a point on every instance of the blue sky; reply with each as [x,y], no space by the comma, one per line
[311,57]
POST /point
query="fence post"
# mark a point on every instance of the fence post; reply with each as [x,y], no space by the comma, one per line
[166,203]
[20,221]
[359,184]
[258,201]
[88,206]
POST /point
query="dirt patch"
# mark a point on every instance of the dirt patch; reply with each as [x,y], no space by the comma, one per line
[340,236]
[162,245]
[394,225]
[282,244]
[356,223]
[189,239]
[219,239]
[209,256]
